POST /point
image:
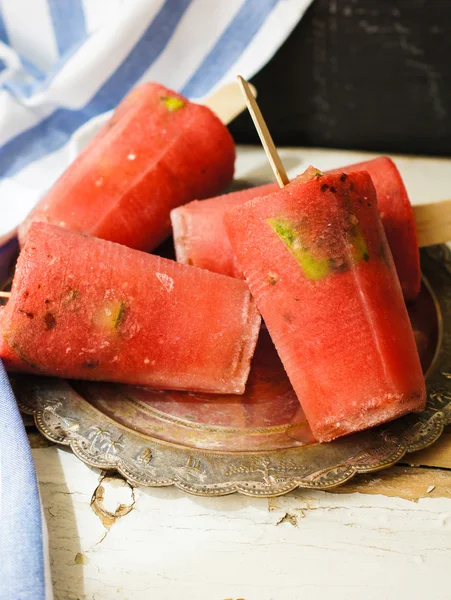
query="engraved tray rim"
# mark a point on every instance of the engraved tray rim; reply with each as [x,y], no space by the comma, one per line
[152,462]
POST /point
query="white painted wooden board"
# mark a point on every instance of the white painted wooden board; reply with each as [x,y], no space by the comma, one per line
[308,545]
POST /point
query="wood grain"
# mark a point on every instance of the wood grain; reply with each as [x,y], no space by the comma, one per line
[437,455]
[399,481]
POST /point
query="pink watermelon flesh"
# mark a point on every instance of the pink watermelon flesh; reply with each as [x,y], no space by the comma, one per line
[157,151]
[200,238]
[84,308]
[318,264]
[397,218]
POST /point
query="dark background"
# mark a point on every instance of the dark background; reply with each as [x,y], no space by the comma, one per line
[362,74]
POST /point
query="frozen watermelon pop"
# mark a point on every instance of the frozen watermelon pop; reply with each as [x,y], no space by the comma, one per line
[397,218]
[200,238]
[156,152]
[317,261]
[85,308]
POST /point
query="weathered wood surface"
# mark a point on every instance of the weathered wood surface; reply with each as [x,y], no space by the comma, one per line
[108,541]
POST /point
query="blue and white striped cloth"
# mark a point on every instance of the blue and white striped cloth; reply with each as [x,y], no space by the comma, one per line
[63,64]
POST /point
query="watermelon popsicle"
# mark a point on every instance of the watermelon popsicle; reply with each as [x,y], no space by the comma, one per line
[85,308]
[156,152]
[317,261]
[397,218]
[200,238]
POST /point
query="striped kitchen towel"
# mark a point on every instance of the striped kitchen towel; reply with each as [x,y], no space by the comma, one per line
[64,63]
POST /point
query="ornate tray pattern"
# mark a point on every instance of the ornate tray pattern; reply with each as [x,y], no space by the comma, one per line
[206,463]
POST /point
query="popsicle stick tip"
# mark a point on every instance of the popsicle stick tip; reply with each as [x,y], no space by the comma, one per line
[5,294]
[263,132]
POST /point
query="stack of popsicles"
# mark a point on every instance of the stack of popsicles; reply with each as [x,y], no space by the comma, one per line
[200,236]
[313,255]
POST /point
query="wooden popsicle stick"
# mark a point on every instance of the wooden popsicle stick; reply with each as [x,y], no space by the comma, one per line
[5,294]
[433,222]
[263,132]
[227,102]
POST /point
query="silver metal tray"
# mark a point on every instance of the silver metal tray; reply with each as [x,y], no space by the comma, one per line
[258,444]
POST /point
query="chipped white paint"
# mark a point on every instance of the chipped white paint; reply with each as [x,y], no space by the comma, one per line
[117,497]
[308,545]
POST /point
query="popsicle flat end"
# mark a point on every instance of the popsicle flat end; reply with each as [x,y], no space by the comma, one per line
[227,102]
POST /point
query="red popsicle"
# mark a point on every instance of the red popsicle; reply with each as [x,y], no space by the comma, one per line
[200,237]
[156,152]
[398,220]
[318,264]
[85,308]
